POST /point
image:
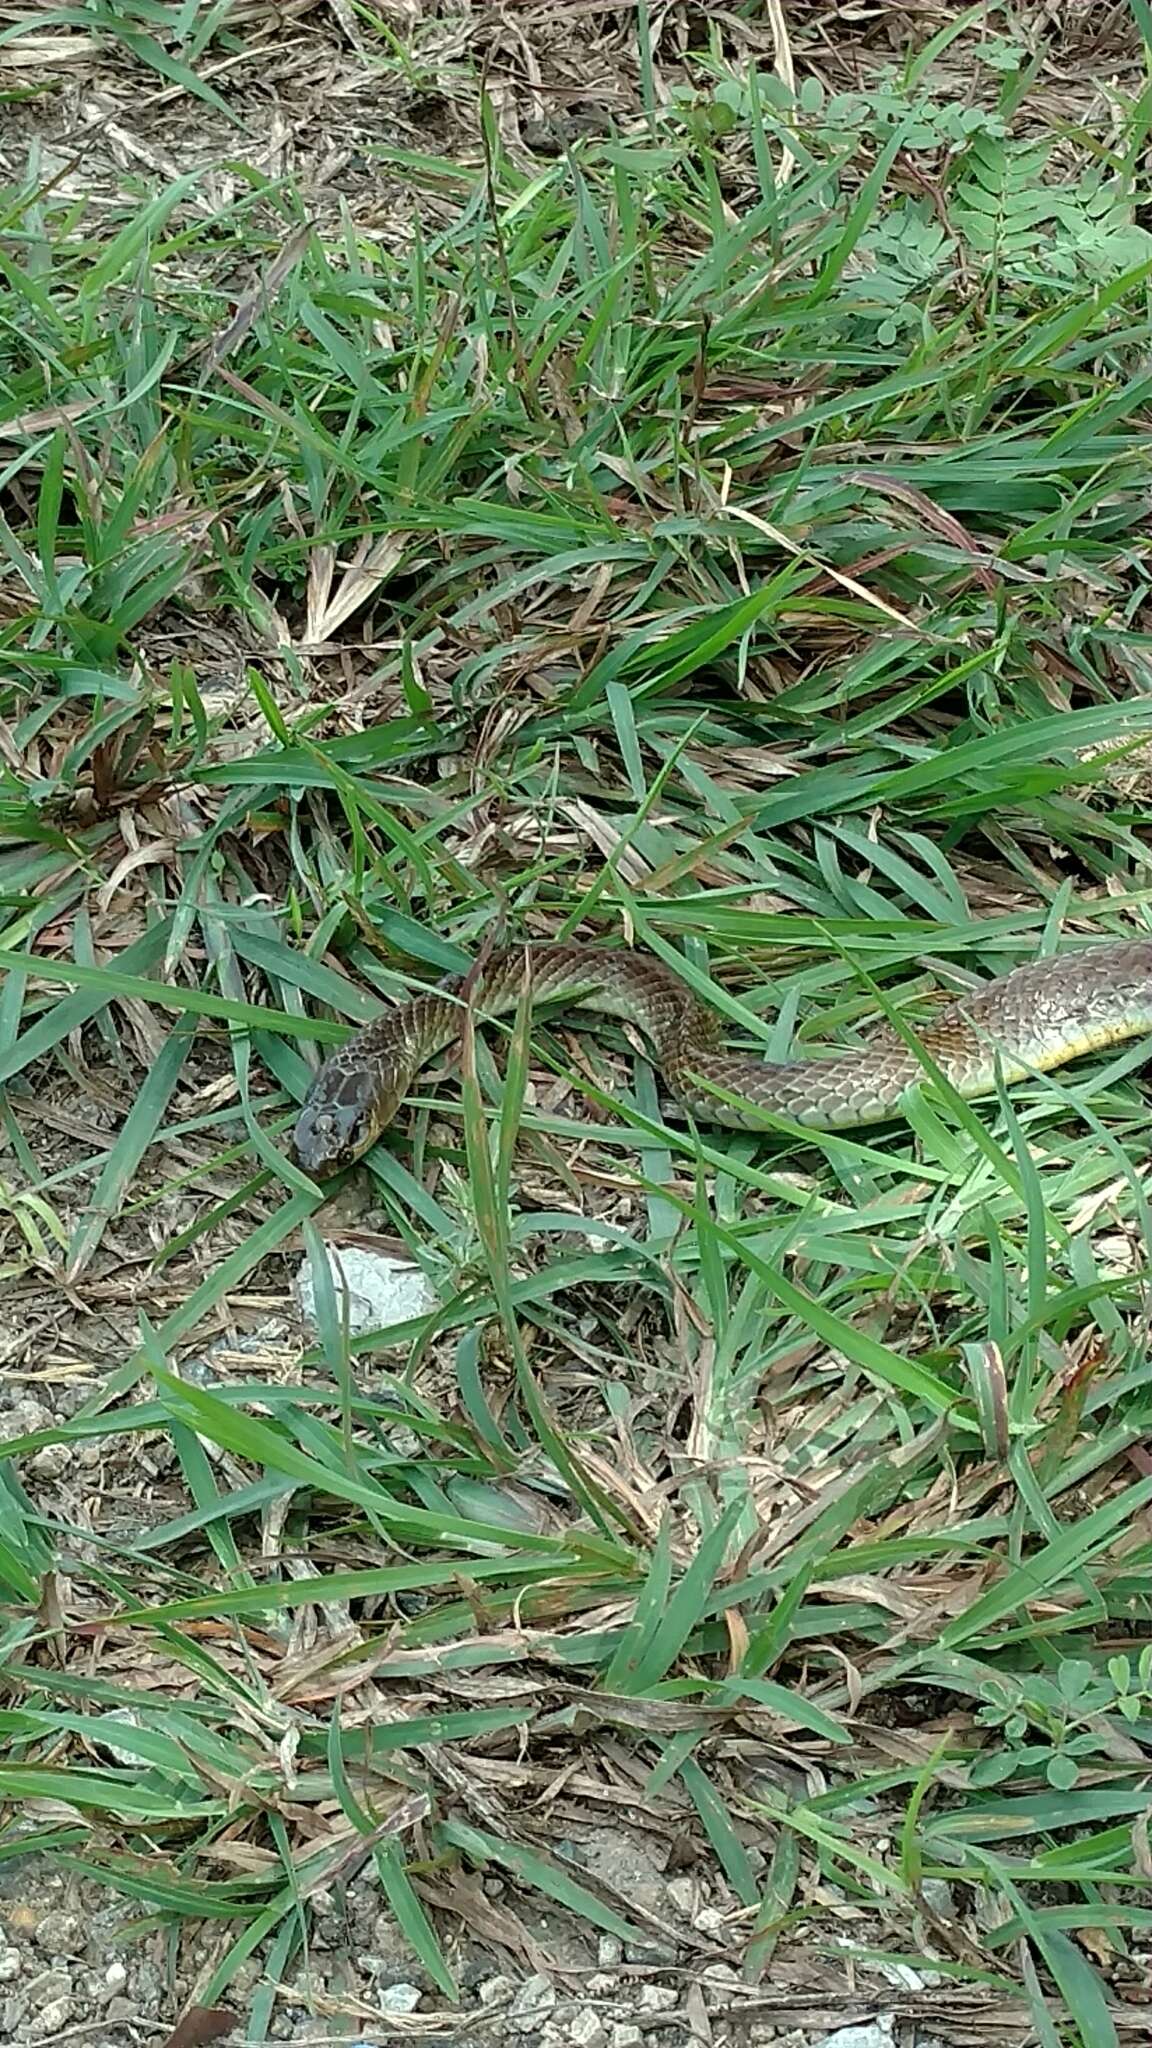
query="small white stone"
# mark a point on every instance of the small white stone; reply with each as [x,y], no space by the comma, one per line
[51,2019]
[50,1985]
[52,1462]
[372,1290]
[115,1977]
[684,1894]
[625,2035]
[587,2029]
[876,2034]
[400,1997]
[902,1975]
[658,1998]
[532,2003]
[609,1950]
[938,1895]
[405,1442]
[11,1964]
[24,1418]
[710,1920]
[496,1991]
[601,1984]
[652,1955]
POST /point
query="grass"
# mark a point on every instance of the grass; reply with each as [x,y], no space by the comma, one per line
[632,549]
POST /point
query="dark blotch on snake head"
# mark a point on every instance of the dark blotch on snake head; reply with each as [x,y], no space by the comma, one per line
[344,1113]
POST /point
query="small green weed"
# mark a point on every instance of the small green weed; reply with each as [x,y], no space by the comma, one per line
[1080,1712]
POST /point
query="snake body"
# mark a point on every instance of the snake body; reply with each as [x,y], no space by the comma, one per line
[1032,1020]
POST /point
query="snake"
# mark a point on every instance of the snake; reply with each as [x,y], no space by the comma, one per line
[1031,1020]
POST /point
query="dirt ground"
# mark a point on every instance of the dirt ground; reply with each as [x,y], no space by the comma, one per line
[307,87]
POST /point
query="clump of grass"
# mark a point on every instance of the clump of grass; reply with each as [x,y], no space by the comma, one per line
[644,548]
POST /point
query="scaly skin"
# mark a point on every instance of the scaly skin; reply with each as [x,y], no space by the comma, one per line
[1032,1020]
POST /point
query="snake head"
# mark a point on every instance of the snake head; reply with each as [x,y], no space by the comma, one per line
[343,1114]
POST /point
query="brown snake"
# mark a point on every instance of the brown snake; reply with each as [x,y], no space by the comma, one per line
[1032,1020]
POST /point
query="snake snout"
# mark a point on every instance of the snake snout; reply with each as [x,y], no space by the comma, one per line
[342,1116]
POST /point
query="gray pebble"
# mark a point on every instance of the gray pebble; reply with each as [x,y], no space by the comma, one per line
[532,2004]
[400,1997]
[586,2029]
[937,1894]
[51,2019]
[652,1955]
[874,2034]
[684,1894]
[710,1920]
[658,1998]
[199,1372]
[372,1290]
[50,1985]
[52,1462]
[25,1417]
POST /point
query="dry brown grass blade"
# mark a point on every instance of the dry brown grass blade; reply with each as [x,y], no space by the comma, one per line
[260,295]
